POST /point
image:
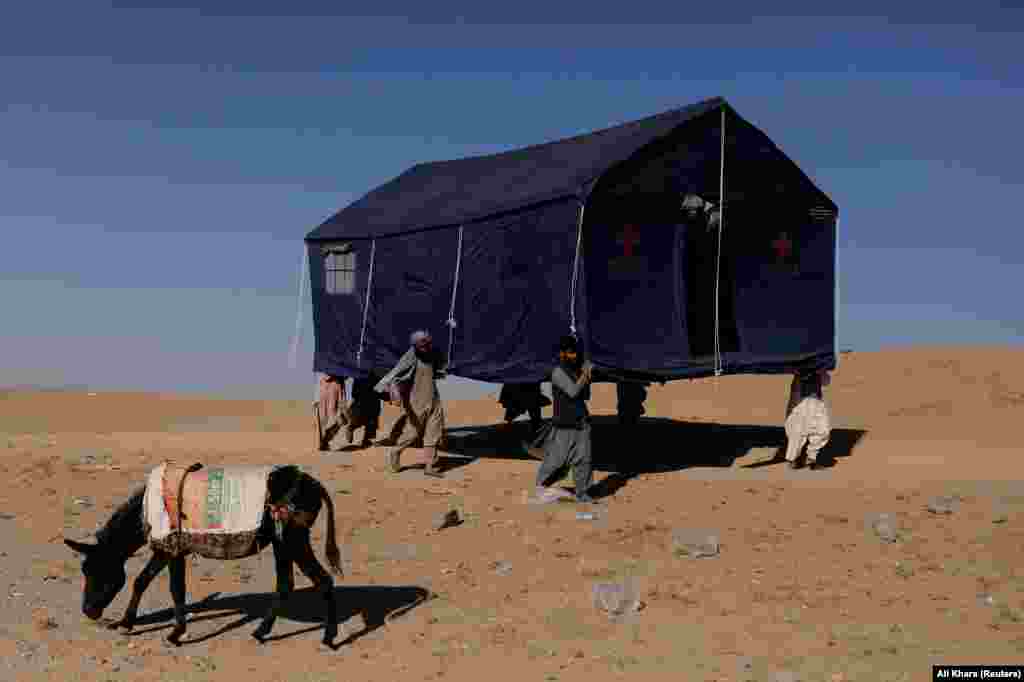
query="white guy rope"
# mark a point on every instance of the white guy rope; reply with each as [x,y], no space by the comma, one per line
[575,271]
[835,329]
[366,303]
[297,336]
[718,258]
[451,309]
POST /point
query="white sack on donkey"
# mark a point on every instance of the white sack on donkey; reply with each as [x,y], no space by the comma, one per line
[220,513]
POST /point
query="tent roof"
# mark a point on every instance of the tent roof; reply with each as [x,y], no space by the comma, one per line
[454,192]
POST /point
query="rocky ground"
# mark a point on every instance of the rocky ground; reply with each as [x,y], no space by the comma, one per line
[803,580]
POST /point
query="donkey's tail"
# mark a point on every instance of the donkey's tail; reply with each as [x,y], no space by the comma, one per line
[331,543]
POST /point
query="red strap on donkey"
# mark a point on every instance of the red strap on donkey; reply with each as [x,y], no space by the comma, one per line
[181,500]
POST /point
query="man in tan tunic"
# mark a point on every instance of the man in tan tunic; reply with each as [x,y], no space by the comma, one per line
[414,380]
[330,409]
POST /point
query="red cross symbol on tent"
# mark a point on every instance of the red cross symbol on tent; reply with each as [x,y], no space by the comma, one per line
[783,248]
[629,236]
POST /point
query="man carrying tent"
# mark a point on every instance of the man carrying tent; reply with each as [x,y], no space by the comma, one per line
[413,382]
[630,397]
[807,417]
[334,411]
[520,398]
[364,410]
[329,409]
[568,442]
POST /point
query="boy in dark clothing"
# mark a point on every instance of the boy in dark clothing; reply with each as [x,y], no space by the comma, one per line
[519,398]
[364,410]
[631,397]
[568,443]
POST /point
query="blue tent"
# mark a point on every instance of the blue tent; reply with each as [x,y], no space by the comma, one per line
[620,236]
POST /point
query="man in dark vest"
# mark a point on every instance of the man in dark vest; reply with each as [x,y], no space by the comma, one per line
[568,443]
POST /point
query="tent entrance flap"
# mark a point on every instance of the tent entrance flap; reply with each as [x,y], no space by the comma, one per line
[708,285]
[634,308]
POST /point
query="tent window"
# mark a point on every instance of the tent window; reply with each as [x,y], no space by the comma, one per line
[340,270]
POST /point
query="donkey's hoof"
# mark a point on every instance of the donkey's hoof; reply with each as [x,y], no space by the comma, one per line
[175,636]
[260,634]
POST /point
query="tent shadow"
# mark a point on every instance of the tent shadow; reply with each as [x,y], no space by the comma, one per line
[653,445]
[377,604]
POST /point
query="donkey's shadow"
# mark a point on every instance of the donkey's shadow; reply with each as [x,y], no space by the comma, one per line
[376,604]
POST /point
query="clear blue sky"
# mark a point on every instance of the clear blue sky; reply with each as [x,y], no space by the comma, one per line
[160,166]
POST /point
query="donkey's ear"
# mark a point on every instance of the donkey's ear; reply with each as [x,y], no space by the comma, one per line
[79,547]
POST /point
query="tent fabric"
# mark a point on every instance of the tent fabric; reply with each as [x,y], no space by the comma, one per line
[512,298]
[449,193]
[644,303]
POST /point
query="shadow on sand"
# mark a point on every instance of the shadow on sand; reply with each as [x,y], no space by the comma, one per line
[376,604]
[653,445]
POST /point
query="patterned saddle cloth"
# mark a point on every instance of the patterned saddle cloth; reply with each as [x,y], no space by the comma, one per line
[221,509]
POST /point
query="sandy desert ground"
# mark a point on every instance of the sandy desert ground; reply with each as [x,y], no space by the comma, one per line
[802,588]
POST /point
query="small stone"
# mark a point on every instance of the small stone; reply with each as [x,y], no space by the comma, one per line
[942,505]
[447,520]
[616,599]
[43,621]
[503,568]
[884,526]
[695,544]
